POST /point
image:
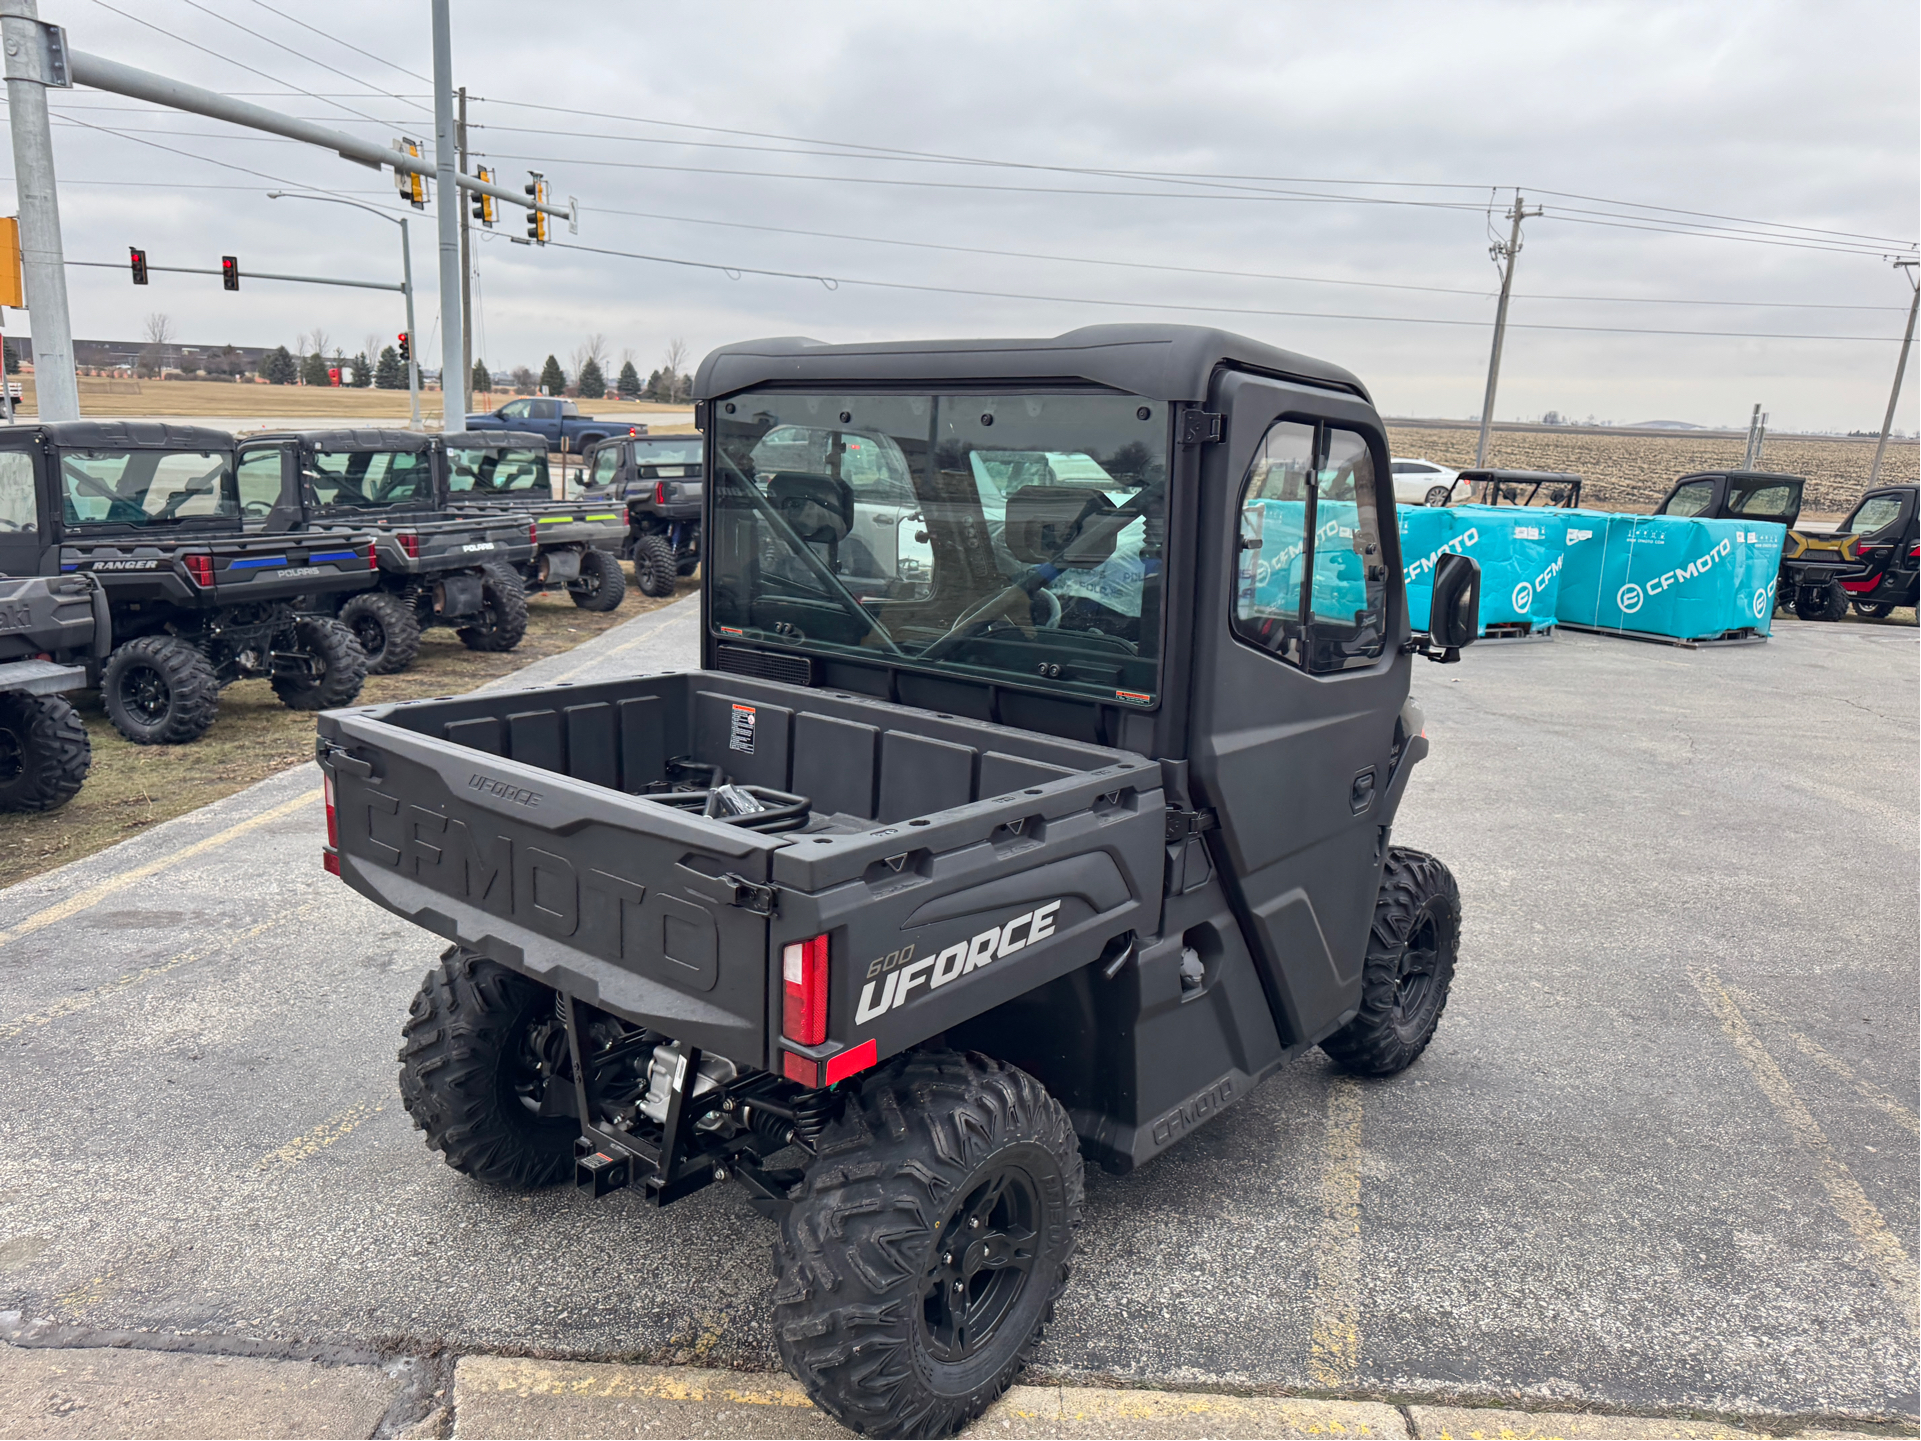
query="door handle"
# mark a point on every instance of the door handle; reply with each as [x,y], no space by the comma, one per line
[1362,794]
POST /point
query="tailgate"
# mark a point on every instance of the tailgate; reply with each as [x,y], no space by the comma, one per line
[276,567]
[648,913]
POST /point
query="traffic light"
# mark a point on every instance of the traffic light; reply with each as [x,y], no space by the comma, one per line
[536,217]
[229,272]
[483,203]
[412,187]
[139,258]
[405,347]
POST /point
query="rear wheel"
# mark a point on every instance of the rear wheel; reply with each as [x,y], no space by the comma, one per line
[44,752]
[160,691]
[1437,495]
[1821,602]
[479,1049]
[503,612]
[1874,610]
[339,667]
[923,1256]
[602,585]
[1409,967]
[387,629]
[654,565]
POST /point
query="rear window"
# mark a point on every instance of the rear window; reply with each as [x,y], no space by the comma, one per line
[489,471]
[1776,501]
[681,450]
[146,487]
[371,479]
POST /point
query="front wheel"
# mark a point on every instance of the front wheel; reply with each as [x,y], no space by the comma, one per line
[44,752]
[1821,602]
[1409,967]
[337,667]
[503,612]
[1874,610]
[921,1263]
[654,566]
[602,585]
[160,691]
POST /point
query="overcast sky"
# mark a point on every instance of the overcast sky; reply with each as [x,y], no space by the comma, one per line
[1417,117]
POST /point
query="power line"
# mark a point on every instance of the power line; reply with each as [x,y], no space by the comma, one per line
[1710,215]
[204,159]
[412,74]
[834,282]
[298,55]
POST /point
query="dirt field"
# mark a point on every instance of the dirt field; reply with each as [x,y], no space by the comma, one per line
[1633,472]
[113,398]
[132,787]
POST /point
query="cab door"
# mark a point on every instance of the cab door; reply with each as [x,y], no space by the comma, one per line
[269,489]
[1298,683]
[26,539]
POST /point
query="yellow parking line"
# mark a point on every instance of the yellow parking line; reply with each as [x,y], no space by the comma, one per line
[340,1124]
[1867,1090]
[93,895]
[1885,1254]
[1334,1348]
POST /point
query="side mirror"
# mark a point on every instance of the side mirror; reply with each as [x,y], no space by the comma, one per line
[1454,614]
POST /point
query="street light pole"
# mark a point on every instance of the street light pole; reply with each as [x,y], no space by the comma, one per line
[1505,254]
[1907,268]
[407,287]
[30,68]
[449,203]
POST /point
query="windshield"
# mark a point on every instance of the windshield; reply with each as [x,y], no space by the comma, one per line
[498,472]
[147,487]
[371,479]
[1007,537]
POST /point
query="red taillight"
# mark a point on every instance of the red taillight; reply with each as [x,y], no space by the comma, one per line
[660,492]
[533,533]
[803,973]
[373,555]
[330,857]
[200,567]
[409,544]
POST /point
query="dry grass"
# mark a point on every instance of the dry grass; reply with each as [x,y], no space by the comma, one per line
[132,399]
[132,787]
[1634,472]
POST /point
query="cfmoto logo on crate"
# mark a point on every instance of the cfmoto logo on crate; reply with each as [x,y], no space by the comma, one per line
[1629,598]
[1523,596]
[957,960]
[1460,545]
[1692,569]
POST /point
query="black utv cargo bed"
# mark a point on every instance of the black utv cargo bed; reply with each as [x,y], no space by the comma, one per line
[518,826]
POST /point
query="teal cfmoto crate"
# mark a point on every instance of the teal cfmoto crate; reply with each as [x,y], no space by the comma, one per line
[1519,550]
[1670,577]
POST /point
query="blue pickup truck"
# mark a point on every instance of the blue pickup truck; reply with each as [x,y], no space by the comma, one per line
[557,421]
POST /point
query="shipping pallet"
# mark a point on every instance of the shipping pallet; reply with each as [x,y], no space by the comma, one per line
[1512,633]
[1744,636]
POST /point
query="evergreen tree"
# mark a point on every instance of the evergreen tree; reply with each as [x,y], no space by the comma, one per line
[389,373]
[592,384]
[482,382]
[627,387]
[552,378]
[13,360]
[363,371]
[653,386]
[277,367]
[313,370]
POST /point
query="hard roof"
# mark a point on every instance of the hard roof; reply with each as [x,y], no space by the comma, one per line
[370,439]
[1160,362]
[495,440]
[1739,475]
[134,434]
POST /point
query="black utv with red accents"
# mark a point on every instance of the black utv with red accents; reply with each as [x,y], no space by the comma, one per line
[152,513]
[1033,802]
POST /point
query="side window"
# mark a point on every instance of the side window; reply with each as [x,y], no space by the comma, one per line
[1691,499]
[259,481]
[18,511]
[1311,586]
[516,409]
[606,463]
[545,409]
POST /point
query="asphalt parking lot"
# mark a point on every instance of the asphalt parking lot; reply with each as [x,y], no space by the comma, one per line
[1661,1157]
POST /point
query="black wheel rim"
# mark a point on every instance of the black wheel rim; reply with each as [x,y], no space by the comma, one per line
[371,634]
[1415,984]
[982,1259]
[145,693]
[13,756]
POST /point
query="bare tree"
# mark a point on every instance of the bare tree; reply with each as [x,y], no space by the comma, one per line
[593,348]
[159,331]
[159,328]
[321,342]
[371,345]
[675,357]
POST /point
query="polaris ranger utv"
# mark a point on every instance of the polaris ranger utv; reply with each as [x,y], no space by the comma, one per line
[577,544]
[54,634]
[658,478]
[930,883]
[436,566]
[150,511]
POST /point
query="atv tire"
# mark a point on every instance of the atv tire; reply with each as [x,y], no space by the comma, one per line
[1410,965]
[602,585]
[1873,609]
[160,691]
[480,1047]
[503,609]
[654,569]
[386,627]
[44,752]
[343,667]
[945,1170]
[1826,602]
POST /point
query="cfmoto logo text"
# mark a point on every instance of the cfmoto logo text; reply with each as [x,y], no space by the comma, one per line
[1523,597]
[1630,598]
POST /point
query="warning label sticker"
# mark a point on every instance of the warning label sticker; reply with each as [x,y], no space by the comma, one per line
[741,735]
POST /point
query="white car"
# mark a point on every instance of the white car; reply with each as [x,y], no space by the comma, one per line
[1422,482]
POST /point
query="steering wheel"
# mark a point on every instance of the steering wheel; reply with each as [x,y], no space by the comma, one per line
[254,509]
[1053,620]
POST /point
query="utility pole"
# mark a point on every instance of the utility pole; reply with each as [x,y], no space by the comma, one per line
[1757,437]
[36,57]
[1906,267]
[450,205]
[466,279]
[1504,256]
